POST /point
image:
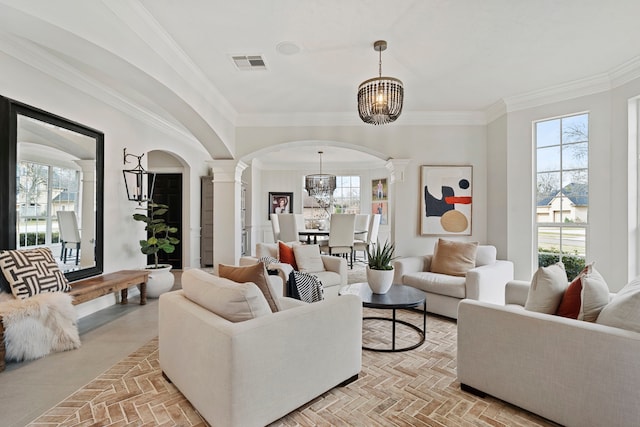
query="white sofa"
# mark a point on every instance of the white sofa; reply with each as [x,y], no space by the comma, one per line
[334,276]
[485,282]
[253,372]
[572,372]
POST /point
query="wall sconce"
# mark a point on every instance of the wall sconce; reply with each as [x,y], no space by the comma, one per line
[138,180]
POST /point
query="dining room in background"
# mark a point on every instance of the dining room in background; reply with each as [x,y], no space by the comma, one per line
[446,200]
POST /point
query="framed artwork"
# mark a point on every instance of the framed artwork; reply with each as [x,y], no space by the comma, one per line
[280,203]
[381,208]
[379,189]
[446,200]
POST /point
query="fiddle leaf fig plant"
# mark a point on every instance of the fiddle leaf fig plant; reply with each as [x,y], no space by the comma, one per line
[158,232]
[381,256]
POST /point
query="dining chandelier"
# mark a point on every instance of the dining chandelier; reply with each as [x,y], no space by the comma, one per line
[380,98]
[321,186]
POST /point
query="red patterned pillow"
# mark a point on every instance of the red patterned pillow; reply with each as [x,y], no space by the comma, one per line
[286,255]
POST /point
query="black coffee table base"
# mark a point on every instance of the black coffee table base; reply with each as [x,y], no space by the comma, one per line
[395,321]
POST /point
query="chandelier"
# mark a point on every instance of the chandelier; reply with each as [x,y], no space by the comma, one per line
[321,186]
[380,98]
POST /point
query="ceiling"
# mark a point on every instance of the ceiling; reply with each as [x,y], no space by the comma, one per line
[170,61]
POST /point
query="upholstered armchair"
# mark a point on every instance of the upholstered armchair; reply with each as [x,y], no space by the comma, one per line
[484,281]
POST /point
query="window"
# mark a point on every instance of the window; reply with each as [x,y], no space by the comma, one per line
[562,191]
[346,199]
[43,190]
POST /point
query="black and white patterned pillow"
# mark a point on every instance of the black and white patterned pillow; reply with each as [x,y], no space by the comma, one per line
[32,271]
[268,260]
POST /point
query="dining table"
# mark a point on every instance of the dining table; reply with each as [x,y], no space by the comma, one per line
[315,232]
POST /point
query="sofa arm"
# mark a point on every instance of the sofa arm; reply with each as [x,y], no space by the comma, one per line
[516,292]
[411,264]
[487,283]
[337,265]
[295,354]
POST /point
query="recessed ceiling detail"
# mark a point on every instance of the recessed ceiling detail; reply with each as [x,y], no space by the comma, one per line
[249,62]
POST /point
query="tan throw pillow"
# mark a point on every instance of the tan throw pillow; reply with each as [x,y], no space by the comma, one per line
[547,288]
[308,258]
[454,258]
[233,301]
[32,271]
[624,309]
[256,273]
[595,295]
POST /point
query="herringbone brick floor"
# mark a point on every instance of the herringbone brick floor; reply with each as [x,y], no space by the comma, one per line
[414,388]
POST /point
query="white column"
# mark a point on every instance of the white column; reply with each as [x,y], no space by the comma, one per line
[227,224]
[87,219]
[396,168]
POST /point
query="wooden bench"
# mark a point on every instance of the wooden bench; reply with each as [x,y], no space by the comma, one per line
[94,287]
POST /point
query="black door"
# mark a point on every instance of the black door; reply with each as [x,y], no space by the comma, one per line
[168,191]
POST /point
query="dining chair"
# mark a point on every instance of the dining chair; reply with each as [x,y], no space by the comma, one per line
[372,236]
[301,226]
[362,223]
[288,228]
[69,234]
[275,226]
[342,227]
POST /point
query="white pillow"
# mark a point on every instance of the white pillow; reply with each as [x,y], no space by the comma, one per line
[233,301]
[594,295]
[624,309]
[308,258]
[547,288]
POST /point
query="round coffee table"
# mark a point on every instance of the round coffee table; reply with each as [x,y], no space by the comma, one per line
[399,296]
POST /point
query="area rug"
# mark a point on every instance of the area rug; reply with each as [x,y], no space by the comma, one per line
[414,388]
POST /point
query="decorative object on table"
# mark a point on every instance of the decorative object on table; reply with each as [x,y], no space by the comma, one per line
[321,186]
[446,196]
[380,98]
[158,239]
[379,268]
[280,203]
[137,180]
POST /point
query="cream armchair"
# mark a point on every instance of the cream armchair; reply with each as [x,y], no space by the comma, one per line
[485,282]
[333,277]
[252,372]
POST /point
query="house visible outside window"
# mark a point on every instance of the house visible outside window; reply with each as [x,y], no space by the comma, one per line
[346,199]
[562,191]
[42,190]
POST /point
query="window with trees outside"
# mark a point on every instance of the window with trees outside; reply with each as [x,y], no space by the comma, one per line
[346,199]
[42,190]
[562,191]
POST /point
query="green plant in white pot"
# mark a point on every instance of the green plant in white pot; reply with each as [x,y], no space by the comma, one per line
[379,268]
[159,238]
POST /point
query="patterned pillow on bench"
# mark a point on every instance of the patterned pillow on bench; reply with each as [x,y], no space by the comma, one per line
[32,271]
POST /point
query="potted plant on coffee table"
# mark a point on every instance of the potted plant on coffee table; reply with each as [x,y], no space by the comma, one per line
[379,268]
[158,239]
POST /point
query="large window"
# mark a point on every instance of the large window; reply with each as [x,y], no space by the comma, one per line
[562,191]
[346,199]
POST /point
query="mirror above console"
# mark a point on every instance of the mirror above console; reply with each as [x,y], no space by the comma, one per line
[52,177]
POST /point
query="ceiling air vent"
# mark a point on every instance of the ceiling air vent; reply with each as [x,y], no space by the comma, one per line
[249,62]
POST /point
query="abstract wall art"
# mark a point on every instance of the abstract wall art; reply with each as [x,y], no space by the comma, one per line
[446,200]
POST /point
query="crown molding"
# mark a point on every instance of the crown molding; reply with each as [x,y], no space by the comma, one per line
[626,72]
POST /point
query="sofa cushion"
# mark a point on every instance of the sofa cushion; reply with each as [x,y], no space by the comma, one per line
[256,273]
[595,295]
[286,254]
[486,255]
[308,258]
[233,301]
[454,258]
[436,283]
[547,288]
[32,271]
[624,309]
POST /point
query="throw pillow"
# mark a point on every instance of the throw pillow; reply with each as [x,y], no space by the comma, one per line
[233,301]
[595,295]
[308,258]
[454,258]
[255,273]
[285,252]
[32,271]
[624,309]
[547,288]
[572,299]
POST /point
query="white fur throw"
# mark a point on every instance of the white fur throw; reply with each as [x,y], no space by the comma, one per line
[39,325]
